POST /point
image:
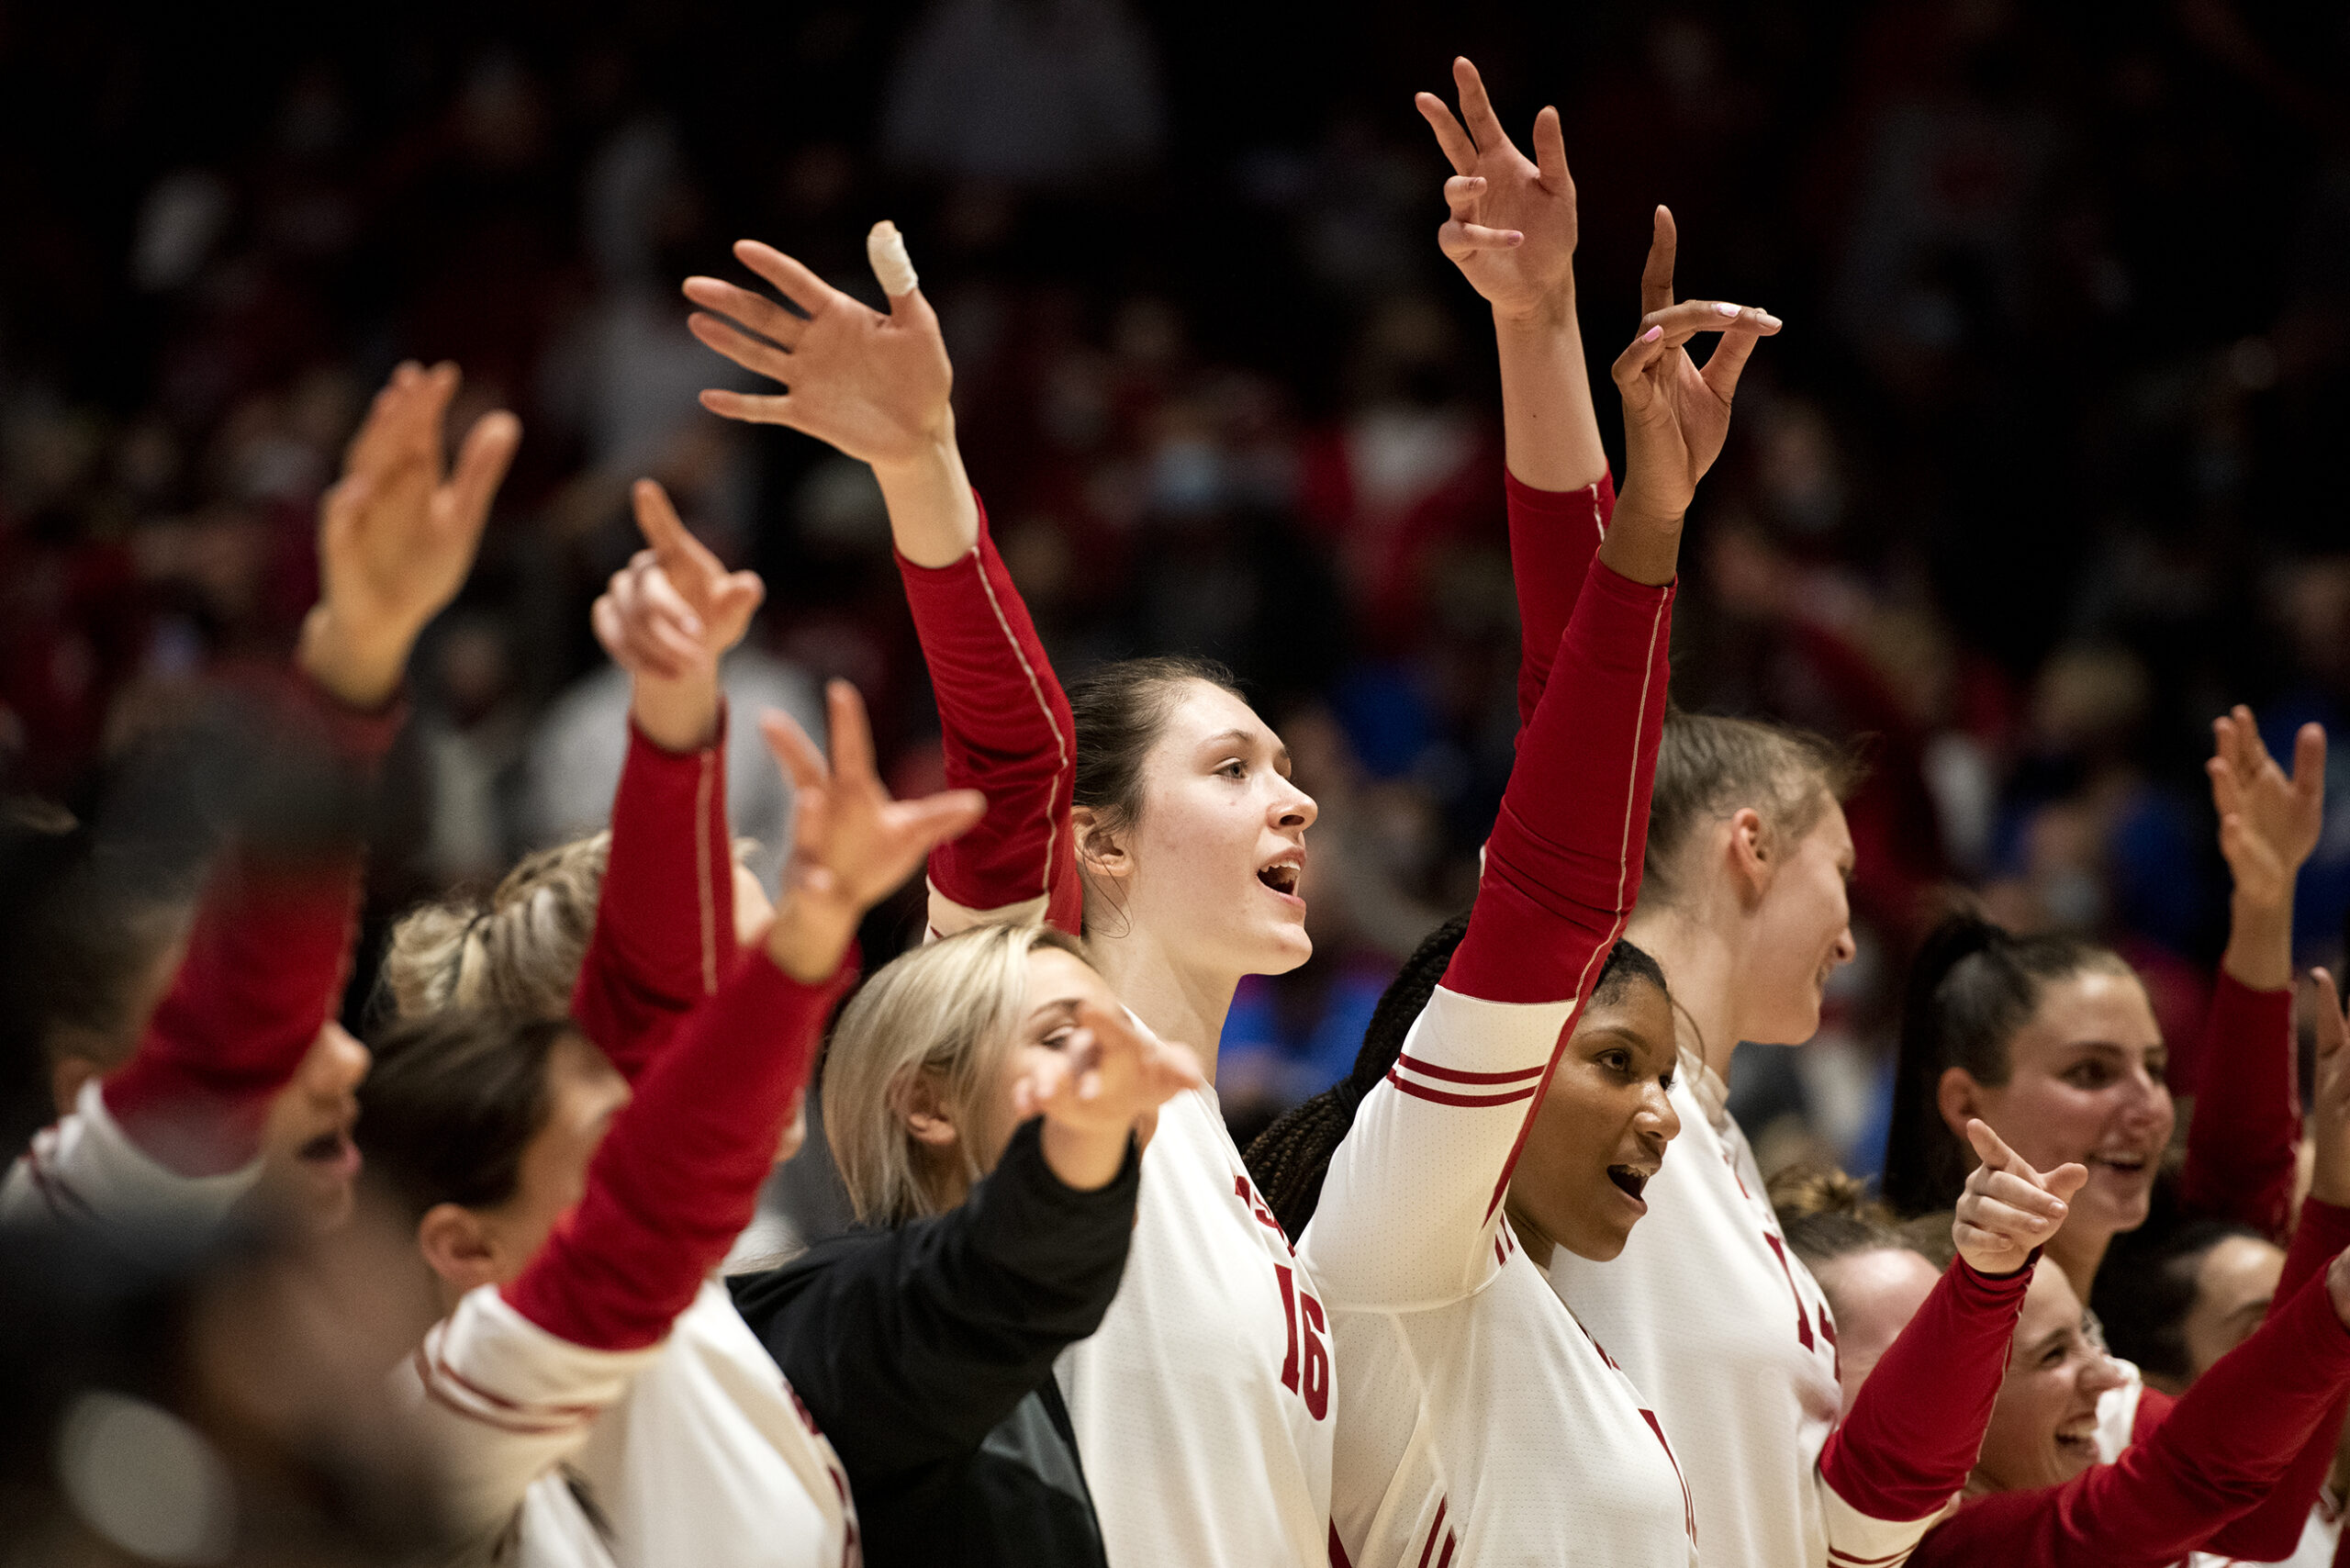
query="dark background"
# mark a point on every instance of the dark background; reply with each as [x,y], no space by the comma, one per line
[2041,476]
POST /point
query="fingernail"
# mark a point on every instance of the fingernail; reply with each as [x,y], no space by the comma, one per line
[1652,334]
[1515,237]
[1724,308]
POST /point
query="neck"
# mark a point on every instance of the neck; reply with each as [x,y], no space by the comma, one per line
[2078,1252]
[1178,1003]
[1702,970]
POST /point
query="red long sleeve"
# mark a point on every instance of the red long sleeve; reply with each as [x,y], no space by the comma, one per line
[1917,1428]
[265,966]
[2241,1144]
[2269,1532]
[2225,1446]
[664,919]
[1562,866]
[1008,734]
[1553,534]
[679,1175]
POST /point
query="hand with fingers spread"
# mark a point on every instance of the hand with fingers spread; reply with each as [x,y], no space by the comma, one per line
[1512,225]
[1676,415]
[851,844]
[2328,1120]
[1108,1079]
[875,386]
[2008,1208]
[2268,826]
[397,532]
[668,617]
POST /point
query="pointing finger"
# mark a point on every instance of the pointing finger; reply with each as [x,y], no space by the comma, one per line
[800,757]
[1459,151]
[1990,1150]
[1656,276]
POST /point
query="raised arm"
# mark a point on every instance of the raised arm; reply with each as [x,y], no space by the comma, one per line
[1511,229]
[664,932]
[1918,1423]
[181,1123]
[2241,1144]
[878,388]
[1415,1186]
[2222,1451]
[911,1347]
[677,1177]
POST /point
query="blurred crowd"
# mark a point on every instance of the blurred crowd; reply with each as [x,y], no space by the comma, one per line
[2033,487]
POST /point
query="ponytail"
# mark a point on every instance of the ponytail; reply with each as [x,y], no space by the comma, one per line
[1973,986]
[1289,1160]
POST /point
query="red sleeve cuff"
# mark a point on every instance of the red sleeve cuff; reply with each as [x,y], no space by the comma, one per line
[1594,502]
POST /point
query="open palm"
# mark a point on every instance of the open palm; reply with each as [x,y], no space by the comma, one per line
[875,386]
[1512,228]
[2269,820]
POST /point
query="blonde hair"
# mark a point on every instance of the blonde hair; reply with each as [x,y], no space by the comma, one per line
[948,1011]
[1709,765]
[518,952]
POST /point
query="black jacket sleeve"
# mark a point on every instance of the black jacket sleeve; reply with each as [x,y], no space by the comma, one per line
[910,1345]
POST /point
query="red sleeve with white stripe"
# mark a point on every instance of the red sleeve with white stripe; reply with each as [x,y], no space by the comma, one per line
[1553,536]
[1008,734]
[1413,1187]
[665,917]
[2242,1139]
[677,1177]
[2224,1448]
[1916,1425]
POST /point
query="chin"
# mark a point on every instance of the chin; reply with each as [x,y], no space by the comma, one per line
[1599,1243]
[1280,951]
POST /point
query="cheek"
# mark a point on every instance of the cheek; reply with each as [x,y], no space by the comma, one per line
[2044,1121]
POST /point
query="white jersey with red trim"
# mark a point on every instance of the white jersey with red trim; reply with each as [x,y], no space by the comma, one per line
[1203,1405]
[84,1170]
[1482,1423]
[1725,1332]
[694,1451]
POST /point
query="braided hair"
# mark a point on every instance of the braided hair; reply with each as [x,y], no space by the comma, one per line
[1289,1160]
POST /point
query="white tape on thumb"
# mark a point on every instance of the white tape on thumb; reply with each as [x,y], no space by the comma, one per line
[886,249]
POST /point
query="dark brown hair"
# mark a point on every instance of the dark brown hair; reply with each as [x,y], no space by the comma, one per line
[1973,986]
[1709,765]
[453,1101]
[1119,710]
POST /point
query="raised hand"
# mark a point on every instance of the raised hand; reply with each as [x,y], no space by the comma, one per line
[1512,230]
[2268,821]
[2007,1207]
[1677,416]
[1112,1070]
[398,533]
[874,385]
[668,617]
[850,843]
[2329,1113]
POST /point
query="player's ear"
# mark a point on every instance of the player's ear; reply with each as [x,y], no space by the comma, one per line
[924,1108]
[456,1244]
[1959,1098]
[1101,848]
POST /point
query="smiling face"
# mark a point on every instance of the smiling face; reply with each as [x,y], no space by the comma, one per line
[1601,1129]
[2085,1083]
[1211,869]
[309,1160]
[1803,932]
[2043,1429]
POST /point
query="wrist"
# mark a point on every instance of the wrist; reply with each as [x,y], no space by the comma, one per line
[807,943]
[1084,1160]
[2259,954]
[678,716]
[360,672]
[933,451]
[1548,313]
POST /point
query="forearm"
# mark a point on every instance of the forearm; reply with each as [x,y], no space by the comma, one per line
[2241,1157]
[360,667]
[2260,942]
[934,518]
[1643,544]
[1549,425]
[1084,1160]
[677,715]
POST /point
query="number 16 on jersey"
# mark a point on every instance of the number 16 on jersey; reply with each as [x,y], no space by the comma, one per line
[1306,1372]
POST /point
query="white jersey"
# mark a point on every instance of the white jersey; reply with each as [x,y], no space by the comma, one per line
[693,1450]
[2321,1538]
[1720,1324]
[1203,1405]
[84,1170]
[1483,1425]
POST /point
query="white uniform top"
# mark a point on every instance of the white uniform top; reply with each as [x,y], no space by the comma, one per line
[1203,1405]
[1483,1425]
[690,1451]
[84,1170]
[2320,1537]
[1725,1331]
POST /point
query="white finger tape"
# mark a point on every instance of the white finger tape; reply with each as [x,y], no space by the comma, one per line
[886,249]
